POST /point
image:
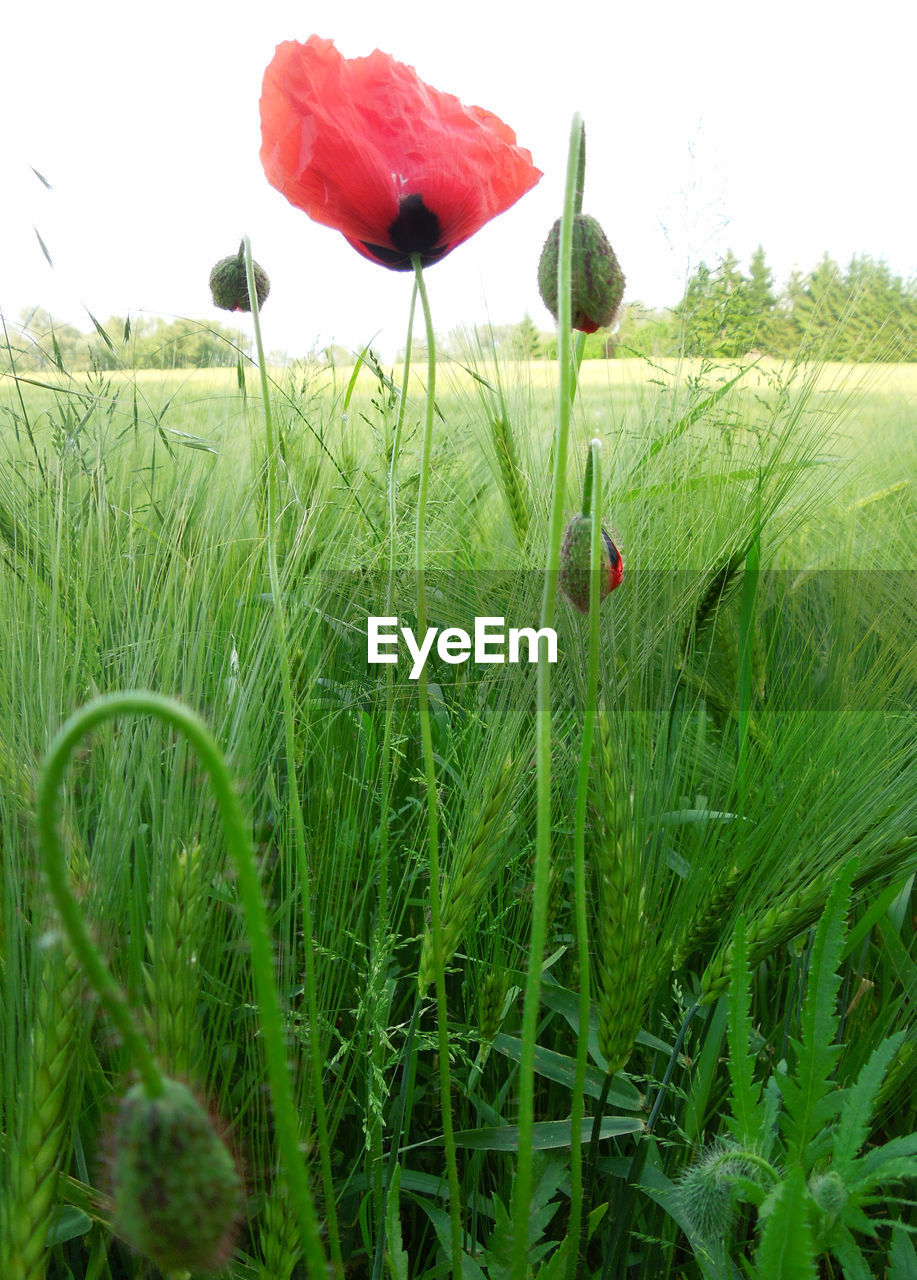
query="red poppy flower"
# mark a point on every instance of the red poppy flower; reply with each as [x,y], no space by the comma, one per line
[364,146]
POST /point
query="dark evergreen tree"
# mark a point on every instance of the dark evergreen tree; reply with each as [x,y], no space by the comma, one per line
[758,308]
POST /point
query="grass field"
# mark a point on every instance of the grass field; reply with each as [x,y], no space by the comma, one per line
[731,864]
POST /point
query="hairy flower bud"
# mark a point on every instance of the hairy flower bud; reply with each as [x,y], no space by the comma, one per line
[176,1189]
[573,579]
[229,283]
[597,278]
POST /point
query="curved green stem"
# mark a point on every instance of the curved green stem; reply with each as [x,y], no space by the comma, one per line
[299,830]
[426,734]
[188,723]
[523,1189]
[593,499]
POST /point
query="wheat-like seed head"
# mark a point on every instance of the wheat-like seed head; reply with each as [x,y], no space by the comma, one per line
[467,881]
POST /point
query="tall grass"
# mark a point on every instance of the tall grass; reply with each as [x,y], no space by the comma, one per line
[756,680]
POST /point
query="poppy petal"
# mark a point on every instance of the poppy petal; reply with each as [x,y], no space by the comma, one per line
[364,146]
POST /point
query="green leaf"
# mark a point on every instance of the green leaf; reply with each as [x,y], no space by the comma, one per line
[595,1219]
[902,1257]
[546,1134]
[745,1093]
[556,1265]
[66,1224]
[816,1051]
[443,1229]
[395,1255]
[850,1256]
[859,1100]
[895,1160]
[562,1069]
[786,1250]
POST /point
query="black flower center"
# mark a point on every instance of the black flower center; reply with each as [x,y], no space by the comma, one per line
[416,229]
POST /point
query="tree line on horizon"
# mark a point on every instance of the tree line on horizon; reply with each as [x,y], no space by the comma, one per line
[862,313]
[859,313]
[39,342]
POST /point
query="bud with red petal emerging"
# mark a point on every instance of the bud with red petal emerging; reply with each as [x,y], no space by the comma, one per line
[229,283]
[176,1190]
[573,578]
[597,278]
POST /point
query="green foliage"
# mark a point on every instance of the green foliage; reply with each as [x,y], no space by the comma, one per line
[120,343]
[803,1166]
[126,559]
[863,313]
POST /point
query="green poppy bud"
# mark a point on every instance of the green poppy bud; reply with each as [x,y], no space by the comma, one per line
[176,1189]
[573,578]
[229,283]
[597,278]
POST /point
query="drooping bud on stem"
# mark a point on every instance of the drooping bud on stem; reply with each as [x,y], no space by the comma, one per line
[177,1192]
[597,278]
[229,286]
[573,578]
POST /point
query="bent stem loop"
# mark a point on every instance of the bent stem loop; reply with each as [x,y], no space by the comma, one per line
[188,723]
[299,831]
[430,779]
[522,1192]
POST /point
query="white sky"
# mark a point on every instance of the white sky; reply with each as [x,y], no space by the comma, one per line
[710,125]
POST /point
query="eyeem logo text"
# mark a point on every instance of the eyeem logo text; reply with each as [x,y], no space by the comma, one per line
[491,643]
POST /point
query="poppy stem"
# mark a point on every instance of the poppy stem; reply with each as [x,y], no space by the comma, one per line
[57,873]
[381,942]
[185,721]
[430,777]
[522,1191]
[592,505]
[299,830]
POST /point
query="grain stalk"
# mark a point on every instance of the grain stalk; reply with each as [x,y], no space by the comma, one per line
[38,1151]
[170,980]
[470,877]
[299,831]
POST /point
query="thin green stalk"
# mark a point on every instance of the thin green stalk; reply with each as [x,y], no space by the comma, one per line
[592,505]
[616,1249]
[379,1034]
[402,1109]
[523,1188]
[187,722]
[389,592]
[299,830]
[455,1209]
[750,583]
